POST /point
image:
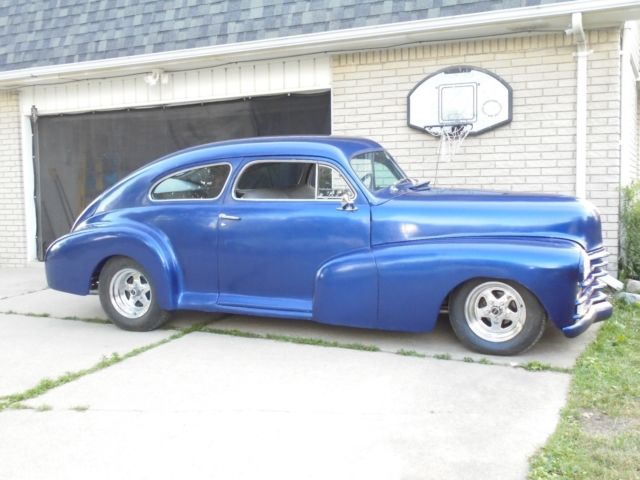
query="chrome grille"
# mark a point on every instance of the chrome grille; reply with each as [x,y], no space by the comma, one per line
[592,289]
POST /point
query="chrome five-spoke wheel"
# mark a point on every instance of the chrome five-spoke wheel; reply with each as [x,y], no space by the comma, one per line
[128,296]
[495,311]
[497,317]
[130,293]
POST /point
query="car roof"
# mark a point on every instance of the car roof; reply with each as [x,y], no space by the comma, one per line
[133,189]
[335,147]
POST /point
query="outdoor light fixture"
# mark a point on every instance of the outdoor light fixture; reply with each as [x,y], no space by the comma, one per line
[156,75]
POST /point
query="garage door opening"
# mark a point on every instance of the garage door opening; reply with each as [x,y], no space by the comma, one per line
[78,156]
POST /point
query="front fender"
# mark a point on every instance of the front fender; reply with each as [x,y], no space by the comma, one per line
[71,260]
[415,278]
[346,291]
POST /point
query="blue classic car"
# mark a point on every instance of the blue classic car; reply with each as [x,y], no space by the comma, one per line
[330,229]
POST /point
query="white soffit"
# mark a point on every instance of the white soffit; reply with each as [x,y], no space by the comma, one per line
[310,73]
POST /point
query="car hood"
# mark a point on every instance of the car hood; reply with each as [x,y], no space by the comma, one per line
[440,213]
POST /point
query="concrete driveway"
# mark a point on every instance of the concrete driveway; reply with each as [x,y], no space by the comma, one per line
[212,402]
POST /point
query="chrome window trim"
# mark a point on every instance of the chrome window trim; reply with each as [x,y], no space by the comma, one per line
[178,172]
[276,160]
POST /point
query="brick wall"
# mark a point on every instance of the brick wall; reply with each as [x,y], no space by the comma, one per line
[12,222]
[536,152]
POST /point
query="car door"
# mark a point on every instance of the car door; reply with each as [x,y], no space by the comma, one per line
[281,221]
[184,206]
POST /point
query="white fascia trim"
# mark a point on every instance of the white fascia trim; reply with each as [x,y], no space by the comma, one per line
[317,41]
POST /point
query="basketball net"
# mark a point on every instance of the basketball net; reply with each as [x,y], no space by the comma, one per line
[451,137]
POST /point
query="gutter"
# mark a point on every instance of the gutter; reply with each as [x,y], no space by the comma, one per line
[582,52]
[377,36]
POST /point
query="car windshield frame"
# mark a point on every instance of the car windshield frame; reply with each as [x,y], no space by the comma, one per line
[387,160]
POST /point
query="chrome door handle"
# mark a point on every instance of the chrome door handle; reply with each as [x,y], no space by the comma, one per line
[224,216]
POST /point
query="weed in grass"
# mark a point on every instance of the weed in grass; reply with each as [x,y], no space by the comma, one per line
[468,360]
[48,315]
[599,431]
[410,353]
[232,332]
[290,339]
[359,346]
[536,366]
[485,361]
[442,356]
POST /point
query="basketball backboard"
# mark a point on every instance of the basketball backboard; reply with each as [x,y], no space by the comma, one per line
[460,95]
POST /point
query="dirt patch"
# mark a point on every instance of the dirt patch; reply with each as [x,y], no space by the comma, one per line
[596,423]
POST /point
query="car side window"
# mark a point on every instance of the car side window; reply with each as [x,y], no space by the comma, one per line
[198,183]
[291,180]
[331,184]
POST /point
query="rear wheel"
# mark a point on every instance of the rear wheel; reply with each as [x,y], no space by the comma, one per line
[128,296]
[496,317]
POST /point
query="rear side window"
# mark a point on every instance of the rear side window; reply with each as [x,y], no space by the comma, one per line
[197,183]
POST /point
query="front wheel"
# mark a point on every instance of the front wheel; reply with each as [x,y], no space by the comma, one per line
[127,295]
[496,317]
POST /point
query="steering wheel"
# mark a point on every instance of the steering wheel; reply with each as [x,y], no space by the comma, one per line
[366,179]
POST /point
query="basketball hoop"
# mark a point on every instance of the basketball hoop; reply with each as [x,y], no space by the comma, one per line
[451,137]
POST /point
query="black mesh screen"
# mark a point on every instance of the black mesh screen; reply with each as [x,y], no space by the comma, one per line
[79,156]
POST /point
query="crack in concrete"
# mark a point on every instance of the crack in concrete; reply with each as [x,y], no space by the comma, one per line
[24,293]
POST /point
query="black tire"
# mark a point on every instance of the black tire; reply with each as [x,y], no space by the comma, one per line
[144,312]
[486,324]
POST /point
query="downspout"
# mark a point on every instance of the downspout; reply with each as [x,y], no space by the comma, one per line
[582,52]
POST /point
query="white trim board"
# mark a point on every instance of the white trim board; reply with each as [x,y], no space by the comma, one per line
[192,86]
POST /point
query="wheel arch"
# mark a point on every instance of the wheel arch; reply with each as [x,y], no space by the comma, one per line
[74,261]
[547,268]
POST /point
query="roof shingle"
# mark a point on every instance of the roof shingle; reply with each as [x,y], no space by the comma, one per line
[51,32]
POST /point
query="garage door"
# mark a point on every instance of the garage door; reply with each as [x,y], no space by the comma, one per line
[79,156]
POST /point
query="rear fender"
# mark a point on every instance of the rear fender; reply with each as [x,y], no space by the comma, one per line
[71,260]
[415,278]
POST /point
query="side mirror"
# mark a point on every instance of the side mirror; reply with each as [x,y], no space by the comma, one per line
[346,203]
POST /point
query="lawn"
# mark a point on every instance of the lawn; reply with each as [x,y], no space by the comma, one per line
[598,436]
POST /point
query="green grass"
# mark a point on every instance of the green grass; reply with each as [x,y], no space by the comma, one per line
[292,339]
[48,315]
[46,384]
[410,353]
[80,408]
[536,366]
[598,436]
[442,356]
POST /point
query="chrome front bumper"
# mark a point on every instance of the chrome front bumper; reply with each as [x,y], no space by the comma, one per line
[592,304]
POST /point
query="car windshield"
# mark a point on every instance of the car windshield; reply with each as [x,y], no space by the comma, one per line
[377,170]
